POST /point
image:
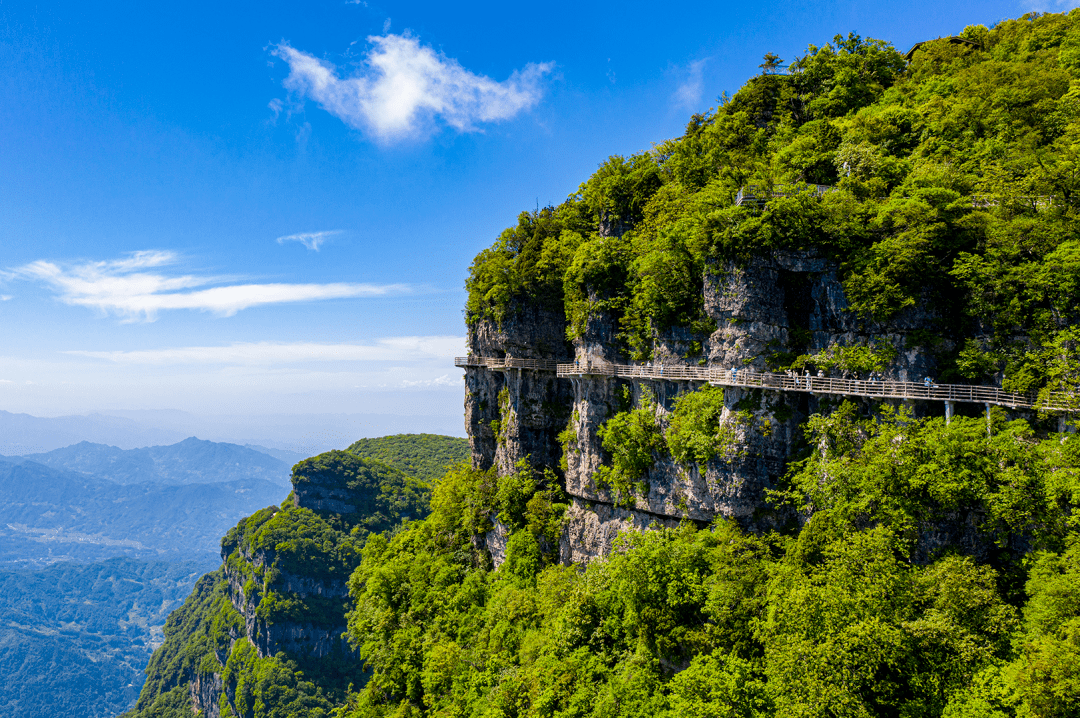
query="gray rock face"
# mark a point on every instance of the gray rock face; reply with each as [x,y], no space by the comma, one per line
[592,527]
[306,639]
[790,302]
[530,407]
[205,689]
[495,542]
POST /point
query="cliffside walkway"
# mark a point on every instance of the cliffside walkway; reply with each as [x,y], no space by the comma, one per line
[949,393]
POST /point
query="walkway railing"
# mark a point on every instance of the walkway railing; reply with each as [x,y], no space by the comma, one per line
[760,194]
[782,382]
[500,364]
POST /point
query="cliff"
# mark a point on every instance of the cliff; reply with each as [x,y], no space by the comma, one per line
[279,600]
[792,553]
[791,302]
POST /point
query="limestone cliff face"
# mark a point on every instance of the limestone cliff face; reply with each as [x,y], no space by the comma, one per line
[790,302]
[205,689]
[307,639]
[530,408]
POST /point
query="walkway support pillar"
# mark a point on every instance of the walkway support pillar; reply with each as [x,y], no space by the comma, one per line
[950,409]
[988,418]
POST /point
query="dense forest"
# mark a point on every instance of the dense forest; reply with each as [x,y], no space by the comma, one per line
[424,456]
[912,567]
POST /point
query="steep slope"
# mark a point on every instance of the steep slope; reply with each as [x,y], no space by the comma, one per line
[809,555]
[266,628]
[859,215]
[793,554]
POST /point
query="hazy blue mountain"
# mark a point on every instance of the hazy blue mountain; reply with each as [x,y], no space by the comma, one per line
[48,514]
[191,461]
[289,457]
[24,434]
[75,638]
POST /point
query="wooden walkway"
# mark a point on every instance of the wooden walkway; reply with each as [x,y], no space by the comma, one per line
[777,382]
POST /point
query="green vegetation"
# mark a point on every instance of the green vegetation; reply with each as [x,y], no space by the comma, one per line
[858,612]
[955,188]
[205,637]
[858,359]
[920,569]
[633,439]
[423,456]
[285,573]
[366,495]
[695,434]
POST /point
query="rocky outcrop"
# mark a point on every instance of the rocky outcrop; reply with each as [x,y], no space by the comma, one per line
[515,414]
[789,302]
[205,689]
[592,526]
[253,578]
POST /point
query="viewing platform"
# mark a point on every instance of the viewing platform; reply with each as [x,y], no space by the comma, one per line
[498,364]
[717,376]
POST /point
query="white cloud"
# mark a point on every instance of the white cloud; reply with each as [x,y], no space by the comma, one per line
[256,353]
[688,94]
[119,287]
[402,87]
[311,240]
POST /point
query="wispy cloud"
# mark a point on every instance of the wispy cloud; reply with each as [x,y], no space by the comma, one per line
[402,87]
[123,287]
[444,380]
[253,353]
[311,240]
[687,95]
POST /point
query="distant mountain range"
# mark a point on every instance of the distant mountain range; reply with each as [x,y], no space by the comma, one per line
[192,461]
[48,515]
[24,434]
[300,435]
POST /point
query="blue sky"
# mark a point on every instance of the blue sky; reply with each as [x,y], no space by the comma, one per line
[255,209]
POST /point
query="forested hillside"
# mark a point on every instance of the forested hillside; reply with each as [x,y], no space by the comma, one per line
[74,638]
[799,555]
[424,456]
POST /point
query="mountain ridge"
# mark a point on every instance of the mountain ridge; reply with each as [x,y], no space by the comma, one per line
[192,460]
